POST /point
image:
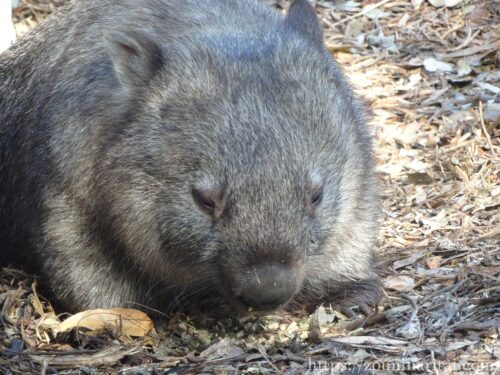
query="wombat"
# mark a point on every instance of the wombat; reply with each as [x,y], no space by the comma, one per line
[167,152]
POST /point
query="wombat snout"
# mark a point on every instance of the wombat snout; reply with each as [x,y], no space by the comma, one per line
[266,287]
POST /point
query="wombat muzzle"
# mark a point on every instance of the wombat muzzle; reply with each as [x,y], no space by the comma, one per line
[268,287]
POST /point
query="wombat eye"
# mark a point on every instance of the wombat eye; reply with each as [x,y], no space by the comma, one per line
[210,201]
[204,200]
[316,197]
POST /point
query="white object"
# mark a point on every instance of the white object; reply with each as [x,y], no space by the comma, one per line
[433,65]
[444,3]
[7,32]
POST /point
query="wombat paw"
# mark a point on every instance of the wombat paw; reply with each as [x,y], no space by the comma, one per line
[366,295]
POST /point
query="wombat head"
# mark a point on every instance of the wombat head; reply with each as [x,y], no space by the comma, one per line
[240,164]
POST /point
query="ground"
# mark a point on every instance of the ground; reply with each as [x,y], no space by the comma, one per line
[429,71]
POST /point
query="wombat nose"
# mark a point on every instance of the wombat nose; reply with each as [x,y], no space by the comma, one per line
[269,286]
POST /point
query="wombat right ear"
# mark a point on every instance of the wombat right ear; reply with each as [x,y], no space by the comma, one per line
[302,17]
[135,57]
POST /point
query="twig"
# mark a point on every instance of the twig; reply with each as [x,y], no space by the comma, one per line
[490,234]
[483,126]
[262,351]
[450,289]
[478,326]
[365,322]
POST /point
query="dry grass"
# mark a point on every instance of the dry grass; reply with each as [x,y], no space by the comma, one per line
[431,76]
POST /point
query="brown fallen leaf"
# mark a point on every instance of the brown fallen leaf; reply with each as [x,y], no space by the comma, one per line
[400,283]
[433,262]
[314,330]
[408,260]
[129,322]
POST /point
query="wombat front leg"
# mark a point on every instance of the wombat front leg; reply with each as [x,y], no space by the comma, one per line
[365,294]
[80,274]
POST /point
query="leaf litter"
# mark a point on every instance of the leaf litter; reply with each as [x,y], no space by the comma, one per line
[430,72]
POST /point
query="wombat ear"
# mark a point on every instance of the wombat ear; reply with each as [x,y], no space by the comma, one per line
[135,57]
[302,17]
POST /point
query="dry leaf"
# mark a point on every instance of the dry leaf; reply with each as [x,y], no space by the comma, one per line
[463,68]
[407,261]
[349,6]
[400,283]
[127,322]
[489,87]
[491,112]
[314,330]
[417,4]
[386,42]
[107,356]
[408,134]
[354,28]
[459,344]
[222,349]
[433,262]
[377,13]
[410,329]
[369,340]
[435,223]
[444,3]
[495,192]
[418,166]
[433,65]
[379,343]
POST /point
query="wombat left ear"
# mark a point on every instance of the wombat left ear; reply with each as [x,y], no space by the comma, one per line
[302,17]
[135,57]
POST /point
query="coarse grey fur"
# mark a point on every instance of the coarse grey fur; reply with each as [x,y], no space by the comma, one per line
[114,114]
